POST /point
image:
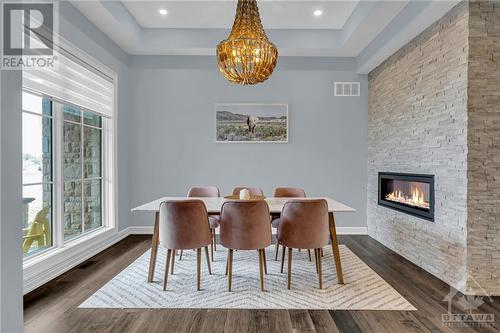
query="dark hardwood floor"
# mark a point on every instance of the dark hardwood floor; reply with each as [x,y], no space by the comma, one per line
[53,307]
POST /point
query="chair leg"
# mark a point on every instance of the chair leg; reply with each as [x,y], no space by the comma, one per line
[277,250]
[173,261]
[264,260]
[316,260]
[283,258]
[309,254]
[215,241]
[230,269]
[320,272]
[322,254]
[208,261]
[227,263]
[167,266]
[261,269]
[289,267]
[198,269]
[180,255]
[212,244]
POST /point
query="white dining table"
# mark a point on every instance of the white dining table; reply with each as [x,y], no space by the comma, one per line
[214,206]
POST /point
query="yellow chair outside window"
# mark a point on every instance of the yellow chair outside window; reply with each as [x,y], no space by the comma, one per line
[38,232]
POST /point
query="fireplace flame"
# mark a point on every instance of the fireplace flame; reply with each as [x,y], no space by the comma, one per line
[417,196]
[416,199]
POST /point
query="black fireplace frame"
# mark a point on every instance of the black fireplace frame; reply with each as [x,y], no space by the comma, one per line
[429,179]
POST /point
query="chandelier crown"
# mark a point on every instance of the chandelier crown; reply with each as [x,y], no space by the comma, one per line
[247,56]
[247,22]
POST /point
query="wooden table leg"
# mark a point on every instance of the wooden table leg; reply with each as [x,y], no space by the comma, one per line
[335,248]
[154,248]
[212,244]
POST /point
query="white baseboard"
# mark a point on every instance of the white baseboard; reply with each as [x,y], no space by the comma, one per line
[340,230]
[148,230]
[352,230]
[43,270]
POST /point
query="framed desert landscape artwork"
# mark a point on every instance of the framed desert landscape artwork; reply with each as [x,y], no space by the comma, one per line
[251,123]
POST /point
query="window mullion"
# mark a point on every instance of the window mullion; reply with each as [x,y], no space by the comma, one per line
[82,172]
[59,176]
[104,152]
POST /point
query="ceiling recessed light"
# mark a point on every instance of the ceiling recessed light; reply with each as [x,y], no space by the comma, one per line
[163,11]
[318,12]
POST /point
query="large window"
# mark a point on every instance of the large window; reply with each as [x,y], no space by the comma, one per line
[37,174]
[82,167]
[68,154]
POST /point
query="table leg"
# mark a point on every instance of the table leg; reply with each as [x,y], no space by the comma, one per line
[335,248]
[154,248]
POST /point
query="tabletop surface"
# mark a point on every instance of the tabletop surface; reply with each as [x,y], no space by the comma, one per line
[214,204]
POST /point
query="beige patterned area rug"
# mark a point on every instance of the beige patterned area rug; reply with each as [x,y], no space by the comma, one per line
[363,289]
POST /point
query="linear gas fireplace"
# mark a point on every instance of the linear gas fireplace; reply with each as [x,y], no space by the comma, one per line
[409,193]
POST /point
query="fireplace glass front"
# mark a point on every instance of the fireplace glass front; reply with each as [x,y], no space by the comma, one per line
[409,193]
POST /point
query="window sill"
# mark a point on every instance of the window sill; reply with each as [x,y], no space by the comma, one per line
[48,265]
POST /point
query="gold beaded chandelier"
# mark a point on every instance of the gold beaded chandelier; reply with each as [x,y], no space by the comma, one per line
[247,56]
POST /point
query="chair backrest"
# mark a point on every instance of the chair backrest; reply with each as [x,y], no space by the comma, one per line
[184,224]
[203,191]
[289,192]
[304,224]
[245,225]
[251,190]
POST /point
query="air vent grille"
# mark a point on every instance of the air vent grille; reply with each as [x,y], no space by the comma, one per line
[347,89]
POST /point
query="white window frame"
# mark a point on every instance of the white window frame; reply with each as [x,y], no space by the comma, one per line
[63,255]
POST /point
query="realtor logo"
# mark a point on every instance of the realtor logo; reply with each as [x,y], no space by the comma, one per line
[28,35]
[471,303]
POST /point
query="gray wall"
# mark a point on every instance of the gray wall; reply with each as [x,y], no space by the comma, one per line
[171,141]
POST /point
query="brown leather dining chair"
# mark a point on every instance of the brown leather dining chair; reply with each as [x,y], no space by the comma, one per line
[184,225]
[286,192]
[304,225]
[245,225]
[213,220]
[251,190]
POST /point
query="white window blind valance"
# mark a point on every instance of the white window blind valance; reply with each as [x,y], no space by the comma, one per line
[74,82]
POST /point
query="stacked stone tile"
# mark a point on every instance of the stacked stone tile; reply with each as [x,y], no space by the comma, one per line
[483,200]
[434,109]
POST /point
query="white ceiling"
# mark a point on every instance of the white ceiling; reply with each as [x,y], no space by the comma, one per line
[367,31]
[220,14]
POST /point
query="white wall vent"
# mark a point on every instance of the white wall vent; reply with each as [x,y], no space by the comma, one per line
[347,89]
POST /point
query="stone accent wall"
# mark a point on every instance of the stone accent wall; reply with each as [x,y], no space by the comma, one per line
[417,123]
[434,107]
[483,201]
